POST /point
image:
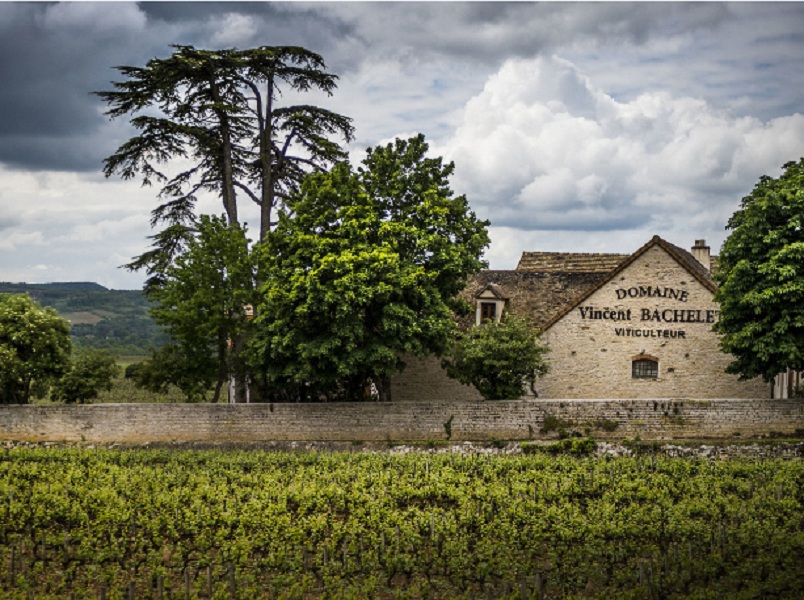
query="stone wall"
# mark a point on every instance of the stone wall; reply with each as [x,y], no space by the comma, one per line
[654,307]
[424,379]
[410,421]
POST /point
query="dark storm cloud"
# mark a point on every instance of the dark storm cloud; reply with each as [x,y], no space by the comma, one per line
[53,57]
[269,24]
[488,32]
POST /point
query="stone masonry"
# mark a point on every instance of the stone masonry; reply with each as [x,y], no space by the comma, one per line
[653,308]
[651,419]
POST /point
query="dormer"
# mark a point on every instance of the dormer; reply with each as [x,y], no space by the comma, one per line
[489,304]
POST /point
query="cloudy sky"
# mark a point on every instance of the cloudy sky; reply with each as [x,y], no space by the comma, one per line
[573,126]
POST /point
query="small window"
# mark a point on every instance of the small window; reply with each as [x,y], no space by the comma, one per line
[488,311]
[645,368]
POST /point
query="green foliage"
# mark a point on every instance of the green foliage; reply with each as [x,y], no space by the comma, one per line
[362,269]
[131,370]
[761,277]
[34,347]
[606,425]
[379,525]
[554,423]
[91,371]
[432,228]
[112,320]
[448,426]
[201,303]
[499,359]
[219,109]
[193,372]
[573,447]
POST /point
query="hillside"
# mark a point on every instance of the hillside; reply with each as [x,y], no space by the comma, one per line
[116,320]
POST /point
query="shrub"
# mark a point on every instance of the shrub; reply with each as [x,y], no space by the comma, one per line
[132,370]
[90,372]
[574,447]
[499,359]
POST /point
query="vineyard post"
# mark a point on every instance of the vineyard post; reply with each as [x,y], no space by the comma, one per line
[540,586]
[232,580]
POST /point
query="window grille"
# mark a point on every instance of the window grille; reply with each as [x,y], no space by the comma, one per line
[645,368]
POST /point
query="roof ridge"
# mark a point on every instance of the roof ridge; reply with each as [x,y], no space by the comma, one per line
[570,262]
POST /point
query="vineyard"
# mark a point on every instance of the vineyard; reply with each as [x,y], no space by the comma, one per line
[155,523]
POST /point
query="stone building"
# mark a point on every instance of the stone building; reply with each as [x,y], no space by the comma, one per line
[618,326]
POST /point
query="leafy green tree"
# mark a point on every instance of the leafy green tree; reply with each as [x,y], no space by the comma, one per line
[193,371]
[90,372]
[499,359]
[219,109]
[34,347]
[761,277]
[201,302]
[362,269]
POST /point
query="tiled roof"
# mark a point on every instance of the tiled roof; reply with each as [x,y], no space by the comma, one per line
[546,285]
[685,258]
[535,296]
[569,262]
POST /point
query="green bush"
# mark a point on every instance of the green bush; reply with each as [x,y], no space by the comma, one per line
[90,372]
[574,447]
[499,359]
[132,370]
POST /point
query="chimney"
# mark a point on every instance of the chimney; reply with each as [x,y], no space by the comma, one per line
[701,253]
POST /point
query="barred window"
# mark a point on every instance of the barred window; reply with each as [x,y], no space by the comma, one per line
[645,368]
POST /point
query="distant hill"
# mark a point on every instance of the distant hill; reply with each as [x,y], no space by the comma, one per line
[58,285]
[115,320]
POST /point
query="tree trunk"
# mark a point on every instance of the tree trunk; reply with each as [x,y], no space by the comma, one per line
[223,361]
[227,185]
[267,162]
[384,388]
[241,386]
[218,387]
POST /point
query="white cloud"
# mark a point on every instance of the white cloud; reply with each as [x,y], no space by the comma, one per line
[542,148]
[232,30]
[72,227]
[19,240]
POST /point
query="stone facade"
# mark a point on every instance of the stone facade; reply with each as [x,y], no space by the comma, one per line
[651,419]
[600,313]
[655,308]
